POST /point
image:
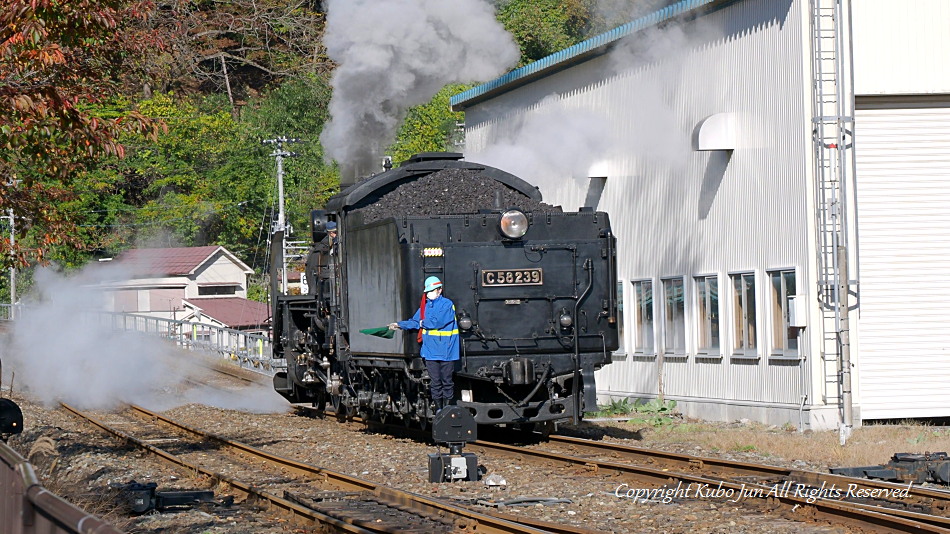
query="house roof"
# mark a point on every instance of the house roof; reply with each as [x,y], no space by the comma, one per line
[233,312]
[580,52]
[180,261]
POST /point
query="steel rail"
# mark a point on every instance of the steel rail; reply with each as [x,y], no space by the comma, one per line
[486,522]
[933,499]
[859,514]
[246,490]
[913,523]
[467,519]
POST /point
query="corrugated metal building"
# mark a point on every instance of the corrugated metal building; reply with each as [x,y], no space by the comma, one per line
[745,190]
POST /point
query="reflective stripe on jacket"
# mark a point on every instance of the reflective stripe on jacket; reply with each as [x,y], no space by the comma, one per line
[440,333]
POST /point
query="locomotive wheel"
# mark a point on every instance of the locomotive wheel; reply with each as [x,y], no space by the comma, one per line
[320,402]
[423,416]
[341,410]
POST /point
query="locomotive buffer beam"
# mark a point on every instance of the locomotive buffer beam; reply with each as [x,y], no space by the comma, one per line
[453,426]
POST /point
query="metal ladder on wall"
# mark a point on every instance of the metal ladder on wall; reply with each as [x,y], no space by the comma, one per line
[833,126]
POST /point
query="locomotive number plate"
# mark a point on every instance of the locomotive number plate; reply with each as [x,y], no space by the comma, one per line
[512,277]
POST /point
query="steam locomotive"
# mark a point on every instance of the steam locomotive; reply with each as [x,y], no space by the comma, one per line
[534,291]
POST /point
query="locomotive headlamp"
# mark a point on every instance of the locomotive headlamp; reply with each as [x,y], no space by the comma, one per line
[565,319]
[465,322]
[514,224]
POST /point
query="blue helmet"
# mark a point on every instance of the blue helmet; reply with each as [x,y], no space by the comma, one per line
[432,282]
[331,226]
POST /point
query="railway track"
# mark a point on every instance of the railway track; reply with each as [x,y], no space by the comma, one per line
[859,502]
[805,495]
[306,492]
[927,500]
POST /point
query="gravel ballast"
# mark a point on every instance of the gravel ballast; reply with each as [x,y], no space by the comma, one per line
[80,462]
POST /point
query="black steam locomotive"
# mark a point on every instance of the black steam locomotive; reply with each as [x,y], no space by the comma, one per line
[534,291]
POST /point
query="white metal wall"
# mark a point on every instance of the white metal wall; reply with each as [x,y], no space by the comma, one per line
[901,47]
[677,211]
[903,191]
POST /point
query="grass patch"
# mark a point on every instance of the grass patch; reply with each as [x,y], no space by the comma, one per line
[654,413]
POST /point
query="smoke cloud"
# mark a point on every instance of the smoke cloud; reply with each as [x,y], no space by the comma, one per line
[563,136]
[394,54]
[59,352]
[549,144]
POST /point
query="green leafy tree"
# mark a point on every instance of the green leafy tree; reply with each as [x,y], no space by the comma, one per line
[298,108]
[543,27]
[209,179]
[430,127]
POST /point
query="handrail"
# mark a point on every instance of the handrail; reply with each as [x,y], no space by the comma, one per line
[249,350]
[26,507]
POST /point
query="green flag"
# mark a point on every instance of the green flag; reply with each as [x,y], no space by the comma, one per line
[379,332]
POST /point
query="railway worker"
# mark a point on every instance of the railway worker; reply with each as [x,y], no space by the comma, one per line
[319,265]
[330,240]
[439,335]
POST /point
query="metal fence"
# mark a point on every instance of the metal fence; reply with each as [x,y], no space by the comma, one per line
[8,312]
[249,350]
[252,351]
[26,507]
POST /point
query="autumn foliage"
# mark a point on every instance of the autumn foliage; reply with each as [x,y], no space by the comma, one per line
[59,60]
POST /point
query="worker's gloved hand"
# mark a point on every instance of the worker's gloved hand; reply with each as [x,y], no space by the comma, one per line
[393,326]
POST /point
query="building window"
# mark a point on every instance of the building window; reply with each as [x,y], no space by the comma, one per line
[643,293]
[674,317]
[743,306]
[707,313]
[784,337]
[205,291]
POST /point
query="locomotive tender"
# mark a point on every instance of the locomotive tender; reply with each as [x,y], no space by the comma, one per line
[534,291]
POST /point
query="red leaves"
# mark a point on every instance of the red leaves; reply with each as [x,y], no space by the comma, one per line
[56,57]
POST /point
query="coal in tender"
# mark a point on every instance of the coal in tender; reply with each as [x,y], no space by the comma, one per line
[450,191]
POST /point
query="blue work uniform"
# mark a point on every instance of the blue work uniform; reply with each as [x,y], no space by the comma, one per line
[440,345]
[440,333]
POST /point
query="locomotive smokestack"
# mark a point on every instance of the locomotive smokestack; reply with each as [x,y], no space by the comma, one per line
[356,169]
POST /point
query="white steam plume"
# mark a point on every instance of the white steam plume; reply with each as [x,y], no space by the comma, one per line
[550,144]
[393,54]
[59,354]
[564,138]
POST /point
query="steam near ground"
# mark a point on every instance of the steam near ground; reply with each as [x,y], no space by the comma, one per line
[58,352]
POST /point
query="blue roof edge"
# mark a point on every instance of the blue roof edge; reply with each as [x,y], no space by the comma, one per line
[457,102]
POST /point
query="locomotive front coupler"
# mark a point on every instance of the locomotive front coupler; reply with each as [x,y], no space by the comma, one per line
[454,426]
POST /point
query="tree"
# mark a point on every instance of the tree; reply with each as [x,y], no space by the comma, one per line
[208,179]
[543,27]
[58,60]
[238,48]
[429,127]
